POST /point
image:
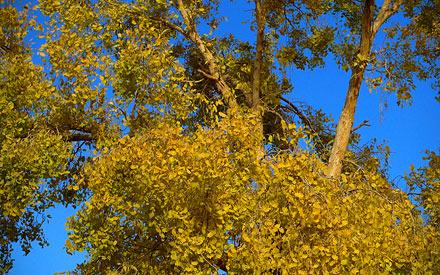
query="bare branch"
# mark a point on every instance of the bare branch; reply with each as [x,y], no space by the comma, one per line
[305,120]
[364,123]
[295,109]
[385,12]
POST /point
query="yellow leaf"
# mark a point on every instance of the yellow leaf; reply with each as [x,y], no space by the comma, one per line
[68,244]
[246,237]
[344,223]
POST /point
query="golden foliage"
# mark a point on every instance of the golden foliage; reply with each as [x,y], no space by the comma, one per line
[169,203]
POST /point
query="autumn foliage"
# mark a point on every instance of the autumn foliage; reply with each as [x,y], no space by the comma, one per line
[182,153]
[170,203]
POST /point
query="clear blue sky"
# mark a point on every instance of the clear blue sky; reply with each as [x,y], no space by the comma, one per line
[410,131]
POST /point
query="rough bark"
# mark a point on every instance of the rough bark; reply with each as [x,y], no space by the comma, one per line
[385,12]
[346,119]
[214,72]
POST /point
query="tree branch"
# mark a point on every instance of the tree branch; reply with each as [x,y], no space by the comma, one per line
[207,75]
[295,109]
[194,36]
[305,120]
[346,119]
[171,26]
[81,137]
[364,123]
[71,138]
[385,12]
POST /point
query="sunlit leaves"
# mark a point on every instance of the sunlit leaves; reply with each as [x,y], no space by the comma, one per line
[34,158]
[402,52]
[177,194]
[427,181]
[30,171]
[203,203]
[181,181]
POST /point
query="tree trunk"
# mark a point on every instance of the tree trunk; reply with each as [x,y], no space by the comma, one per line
[254,98]
[346,118]
[345,124]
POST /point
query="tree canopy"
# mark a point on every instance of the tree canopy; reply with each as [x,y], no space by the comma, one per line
[182,151]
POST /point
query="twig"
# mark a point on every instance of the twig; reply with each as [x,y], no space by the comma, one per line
[304,120]
[364,123]
[207,75]
[295,109]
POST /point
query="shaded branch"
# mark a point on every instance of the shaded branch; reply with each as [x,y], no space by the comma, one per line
[258,62]
[222,264]
[305,120]
[71,138]
[81,137]
[297,112]
[207,75]
[85,135]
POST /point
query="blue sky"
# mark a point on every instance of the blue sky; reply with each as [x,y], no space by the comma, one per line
[410,131]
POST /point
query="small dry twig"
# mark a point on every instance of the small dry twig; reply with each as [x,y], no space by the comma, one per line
[364,123]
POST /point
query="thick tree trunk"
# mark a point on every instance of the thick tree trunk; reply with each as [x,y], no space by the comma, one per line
[345,123]
[346,118]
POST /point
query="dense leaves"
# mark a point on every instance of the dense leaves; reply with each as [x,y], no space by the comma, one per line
[426,182]
[170,203]
[183,151]
[33,158]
